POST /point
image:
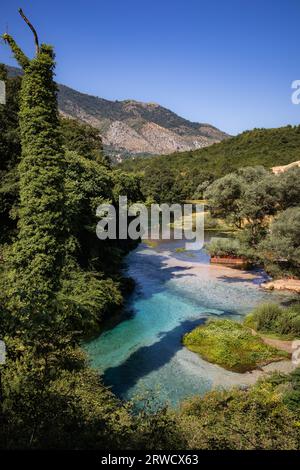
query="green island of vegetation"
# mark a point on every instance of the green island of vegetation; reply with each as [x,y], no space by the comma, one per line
[231,345]
[239,346]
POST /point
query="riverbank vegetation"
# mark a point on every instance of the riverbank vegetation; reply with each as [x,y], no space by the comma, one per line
[266,416]
[231,345]
[265,209]
[273,319]
[225,247]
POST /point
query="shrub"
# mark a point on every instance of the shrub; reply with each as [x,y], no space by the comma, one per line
[272,318]
[224,247]
[257,418]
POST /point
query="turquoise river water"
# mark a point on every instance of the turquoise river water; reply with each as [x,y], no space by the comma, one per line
[175,292]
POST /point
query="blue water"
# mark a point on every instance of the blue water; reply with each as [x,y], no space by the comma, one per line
[143,354]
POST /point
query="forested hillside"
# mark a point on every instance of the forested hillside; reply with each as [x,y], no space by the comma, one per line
[185,175]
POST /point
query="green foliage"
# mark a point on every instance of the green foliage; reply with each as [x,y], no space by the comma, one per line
[83,139]
[250,198]
[158,428]
[38,251]
[271,318]
[188,170]
[87,299]
[258,418]
[224,247]
[52,400]
[56,286]
[230,345]
[292,392]
[260,199]
[10,149]
[18,53]
[290,188]
[87,182]
[126,184]
[246,197]
[224,196]
[282,244]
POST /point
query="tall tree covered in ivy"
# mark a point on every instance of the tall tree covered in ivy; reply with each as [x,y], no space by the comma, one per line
[38,251]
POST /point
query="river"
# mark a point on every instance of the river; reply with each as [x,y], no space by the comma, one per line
[143,355]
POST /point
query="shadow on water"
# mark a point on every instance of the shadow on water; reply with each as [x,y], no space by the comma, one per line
[233,280]
[153,277]
[150,275]
[148,358]
[151,358]
[260,277]
[151,271]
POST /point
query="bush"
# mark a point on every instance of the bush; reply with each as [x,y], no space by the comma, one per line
[225,247]
[258,418]
[272,318]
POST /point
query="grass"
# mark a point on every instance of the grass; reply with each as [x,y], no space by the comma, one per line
[186,253]
[210,223]
[150,243]
[180,250]
[231,345]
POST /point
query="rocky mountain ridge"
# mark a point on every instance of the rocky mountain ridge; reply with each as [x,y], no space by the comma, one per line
[131,127]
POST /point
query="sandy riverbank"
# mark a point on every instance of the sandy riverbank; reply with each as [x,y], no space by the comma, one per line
[211,270]
[225,272]
[292,285]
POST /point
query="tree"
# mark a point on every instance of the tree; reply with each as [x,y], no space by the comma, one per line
[224,198]
[259,200]
[289,184]
[84,140]
[282,244]
[38,251]
[246,199]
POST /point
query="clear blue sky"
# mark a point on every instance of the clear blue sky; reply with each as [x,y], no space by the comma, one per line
[226,62]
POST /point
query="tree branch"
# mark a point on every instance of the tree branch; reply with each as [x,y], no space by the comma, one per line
[18,53]
[36,39]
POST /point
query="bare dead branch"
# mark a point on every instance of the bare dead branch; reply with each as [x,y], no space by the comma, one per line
[36,39]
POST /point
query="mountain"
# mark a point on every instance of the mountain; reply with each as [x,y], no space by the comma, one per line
[134,128]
